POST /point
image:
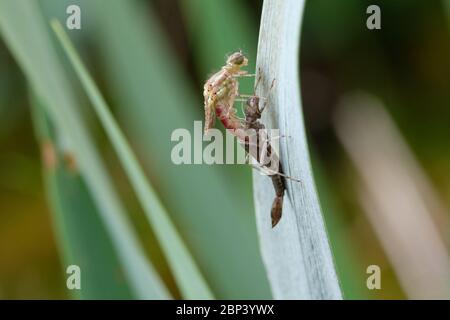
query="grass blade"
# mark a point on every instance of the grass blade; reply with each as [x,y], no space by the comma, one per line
[26,35]
[296,252]
[83,239]
[188,276]
[152,98]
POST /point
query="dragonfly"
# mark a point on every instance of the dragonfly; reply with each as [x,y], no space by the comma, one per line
[220,92]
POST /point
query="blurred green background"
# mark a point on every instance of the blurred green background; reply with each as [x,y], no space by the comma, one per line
[150,59]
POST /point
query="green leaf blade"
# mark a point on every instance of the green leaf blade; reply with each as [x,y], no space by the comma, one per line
[213,208]
[27,37]
[187,274]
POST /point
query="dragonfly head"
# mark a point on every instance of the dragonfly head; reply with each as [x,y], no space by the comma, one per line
[237,60]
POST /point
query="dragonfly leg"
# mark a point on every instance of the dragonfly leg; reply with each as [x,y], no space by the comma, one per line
[269,172]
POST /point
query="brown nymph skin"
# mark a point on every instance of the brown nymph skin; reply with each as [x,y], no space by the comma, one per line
[252,116]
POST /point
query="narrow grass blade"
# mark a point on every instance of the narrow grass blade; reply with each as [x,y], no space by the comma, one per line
[26,35]
[82,238]
[188,276]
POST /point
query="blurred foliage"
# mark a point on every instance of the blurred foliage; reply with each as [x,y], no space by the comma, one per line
[150,59]
[405,64]
[80,231]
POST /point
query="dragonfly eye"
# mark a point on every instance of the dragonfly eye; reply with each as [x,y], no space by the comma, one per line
[237,58]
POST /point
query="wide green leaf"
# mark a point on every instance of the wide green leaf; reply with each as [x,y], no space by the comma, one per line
[296,252]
